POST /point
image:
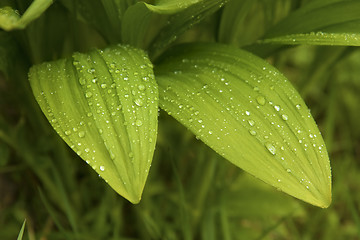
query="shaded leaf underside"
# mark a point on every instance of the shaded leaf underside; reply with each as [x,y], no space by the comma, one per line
[104,105]
[250,114]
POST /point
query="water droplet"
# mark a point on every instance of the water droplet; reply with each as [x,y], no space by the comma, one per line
[252,132]
[81,134]
[298,106]
[277,108]
[270,148]
[261,100]
[88,94]
[67,132]
[141,87]
[103,85]
[82,81]
[251,122]
[284,117]
[138,123]
[139,102]
[247,113]
[102,168]
[288,170]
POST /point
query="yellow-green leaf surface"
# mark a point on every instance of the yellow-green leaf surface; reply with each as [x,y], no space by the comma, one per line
[104,105]
[10,19]
[249,113]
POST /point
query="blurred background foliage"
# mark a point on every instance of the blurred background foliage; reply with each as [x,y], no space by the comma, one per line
[191,192]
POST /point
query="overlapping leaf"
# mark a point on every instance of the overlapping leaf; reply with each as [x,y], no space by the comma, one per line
[104,105]
[10,19]
[249,113]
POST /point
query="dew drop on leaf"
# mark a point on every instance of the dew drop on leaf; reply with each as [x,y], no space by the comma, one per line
[139,102]
[261,100]
[252,132]
[141,87]
[138,123]
[270,148]
[251,122]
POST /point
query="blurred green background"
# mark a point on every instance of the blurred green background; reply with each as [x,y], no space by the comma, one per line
[191,193]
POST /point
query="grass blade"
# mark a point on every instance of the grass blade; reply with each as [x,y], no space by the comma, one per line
[20,236]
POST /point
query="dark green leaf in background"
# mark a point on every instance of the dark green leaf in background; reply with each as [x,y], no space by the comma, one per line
[319,23]
[249,113]
[182,21]
[104,105]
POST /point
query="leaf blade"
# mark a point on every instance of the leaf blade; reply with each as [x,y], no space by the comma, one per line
[249,113]
[104,105]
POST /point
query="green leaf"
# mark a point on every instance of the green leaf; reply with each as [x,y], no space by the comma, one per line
[249,113]
[318,38]
[319,23]
[104,15]
[170,6]
[104,105]
[134,25]
[10,19]
[21,233]
[184,20]
[242,22]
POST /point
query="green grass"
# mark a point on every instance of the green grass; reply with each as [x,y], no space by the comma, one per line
[191,192]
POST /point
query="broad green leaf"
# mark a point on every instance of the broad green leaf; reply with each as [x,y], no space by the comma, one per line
[104,105]
[184,20]
[10,19]
[170,6]
[249,113]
